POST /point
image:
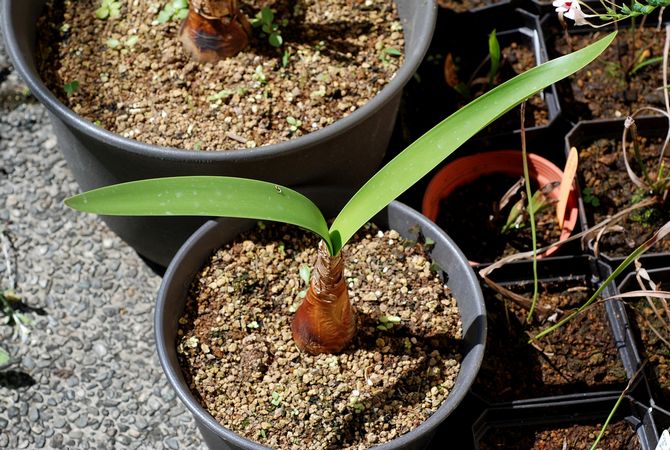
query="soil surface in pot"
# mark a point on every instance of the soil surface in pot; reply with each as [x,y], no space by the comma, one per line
[134,78]
[652,323]
[607,190]
[578,357]
[239,358]
[618,436]
[430,96]
[606,88]
[460,6]
[472,218]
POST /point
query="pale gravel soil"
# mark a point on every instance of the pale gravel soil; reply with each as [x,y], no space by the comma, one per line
[88,376]
[238,354]
[150,91]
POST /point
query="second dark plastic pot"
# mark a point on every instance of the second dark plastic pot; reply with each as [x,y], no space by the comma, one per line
[344,154]
[211,236]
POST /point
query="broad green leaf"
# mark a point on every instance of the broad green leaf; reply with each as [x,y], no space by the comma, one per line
[437,144]
[204,196]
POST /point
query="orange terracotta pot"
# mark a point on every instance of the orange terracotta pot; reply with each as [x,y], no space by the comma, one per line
[508,162]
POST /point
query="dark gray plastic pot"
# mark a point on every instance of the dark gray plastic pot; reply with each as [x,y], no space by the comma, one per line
[345,153]
[211,236]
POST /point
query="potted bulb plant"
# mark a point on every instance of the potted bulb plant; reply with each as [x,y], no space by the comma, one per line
[344,153]
[324,323]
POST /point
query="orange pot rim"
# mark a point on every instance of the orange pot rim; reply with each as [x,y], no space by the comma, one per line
[469,168]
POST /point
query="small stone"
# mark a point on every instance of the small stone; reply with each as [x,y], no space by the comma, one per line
[12,412]
[153,404]
[33,414]
[82,421]
[40,441]
[57,440]
[28,363]
[172,443]
[100,349]
[58,422]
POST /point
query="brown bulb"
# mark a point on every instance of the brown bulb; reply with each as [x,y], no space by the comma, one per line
[214,30]
[325,322]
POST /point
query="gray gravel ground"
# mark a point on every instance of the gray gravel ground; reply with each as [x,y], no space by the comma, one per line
[87,375]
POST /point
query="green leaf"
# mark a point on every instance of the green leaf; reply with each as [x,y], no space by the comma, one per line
[4,357]
[267,15]
[275,40]
[181,14]
[494,55]
[102,13]
[204,196]
[132,40]
[165,14]
[645,63]
[437,144]
[305,273]
[112,43]
[71,87]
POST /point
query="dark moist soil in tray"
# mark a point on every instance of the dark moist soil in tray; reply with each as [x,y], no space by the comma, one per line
[653,349]
[618,436]
[460,6]
[146,88]
[240,360]
[603,89]
[428,99]
[607,189]
[469,217]
[578,357]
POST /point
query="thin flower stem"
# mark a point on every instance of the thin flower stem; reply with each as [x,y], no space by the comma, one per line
[616,407]
[636,152]
[531,211]
[666,95]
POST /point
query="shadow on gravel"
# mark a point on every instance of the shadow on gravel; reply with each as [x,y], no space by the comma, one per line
[15,379]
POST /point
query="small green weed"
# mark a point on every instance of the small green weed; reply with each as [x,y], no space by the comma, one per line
[109,9]
[174,10]
[589,198]
[265,20]
[389,52]
[71,87]
[388,322]
[294,124]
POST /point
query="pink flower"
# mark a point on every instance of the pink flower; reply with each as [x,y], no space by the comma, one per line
[572,10]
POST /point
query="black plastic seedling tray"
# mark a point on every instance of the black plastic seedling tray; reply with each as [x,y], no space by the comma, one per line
[588,131]
[555,412]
